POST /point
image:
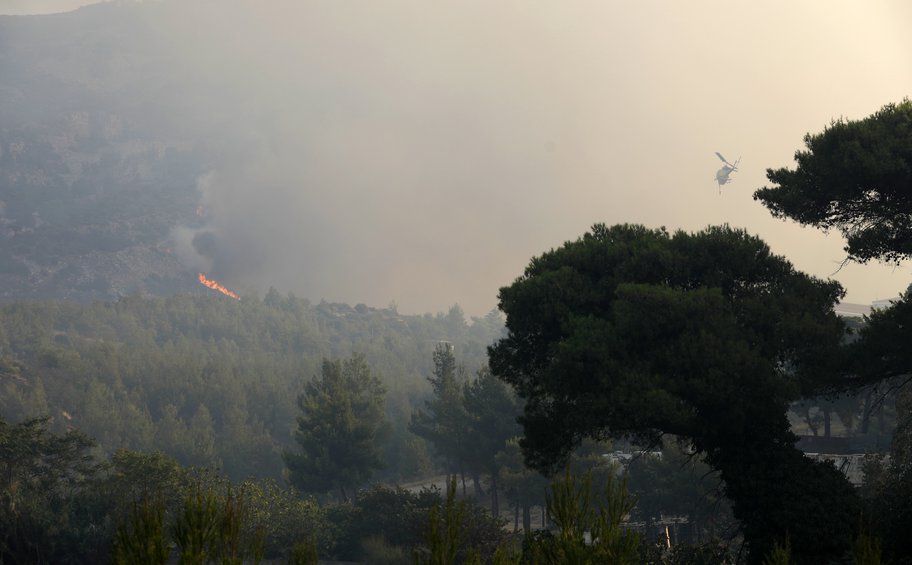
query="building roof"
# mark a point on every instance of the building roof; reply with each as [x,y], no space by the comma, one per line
[852,310]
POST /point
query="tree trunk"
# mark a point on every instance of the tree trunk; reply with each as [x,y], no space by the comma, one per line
[809,420]
[527,516]
[516,516]
[866,415]
[826,422]
[495,501]
[476,485]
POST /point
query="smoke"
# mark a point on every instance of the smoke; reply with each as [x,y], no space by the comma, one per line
[422,152]
[362,163]
[32,7]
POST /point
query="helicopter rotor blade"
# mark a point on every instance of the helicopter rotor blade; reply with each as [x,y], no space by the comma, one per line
[724,160]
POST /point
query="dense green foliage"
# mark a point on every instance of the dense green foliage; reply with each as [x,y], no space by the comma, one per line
[683,488]
[142,539]
[855,176]
[881,350]
[707,336]
[491,410]
[468,421]
[523,486]
[39,472]
[456,532]
[443,418]
[61,505]
[213,381]
[589,522]
[141,508]
[888,488]
[340,429]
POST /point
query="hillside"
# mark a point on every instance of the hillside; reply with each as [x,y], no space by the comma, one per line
[214,381]
[114,120]
[100,154]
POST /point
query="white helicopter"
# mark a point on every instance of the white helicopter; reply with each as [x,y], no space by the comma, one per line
[722,175]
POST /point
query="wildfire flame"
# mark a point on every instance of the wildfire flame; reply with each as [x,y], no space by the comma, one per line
[216,286]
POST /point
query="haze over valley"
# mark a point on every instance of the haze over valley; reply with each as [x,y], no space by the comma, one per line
[407,153]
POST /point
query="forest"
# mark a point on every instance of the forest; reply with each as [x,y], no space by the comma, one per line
[213,381]
[639,395]
[209,404]
[105,404]
[637,398]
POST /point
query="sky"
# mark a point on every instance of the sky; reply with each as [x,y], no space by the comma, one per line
[36,7]
[421,153]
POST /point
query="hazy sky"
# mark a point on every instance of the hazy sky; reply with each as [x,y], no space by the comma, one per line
[422,152]
[31,7]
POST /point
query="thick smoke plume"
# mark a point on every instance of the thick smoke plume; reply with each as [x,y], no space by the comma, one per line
[422,152]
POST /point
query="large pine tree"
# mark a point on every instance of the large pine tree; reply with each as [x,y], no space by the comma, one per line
[342,420]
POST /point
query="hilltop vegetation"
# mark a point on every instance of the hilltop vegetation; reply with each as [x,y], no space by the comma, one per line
[214,381]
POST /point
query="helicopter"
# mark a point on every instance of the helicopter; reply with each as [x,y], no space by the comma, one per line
[723,174]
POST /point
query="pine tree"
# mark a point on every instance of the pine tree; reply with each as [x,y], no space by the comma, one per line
[443,420]
[342,420]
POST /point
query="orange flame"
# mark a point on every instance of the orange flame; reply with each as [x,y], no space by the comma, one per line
[216,286]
